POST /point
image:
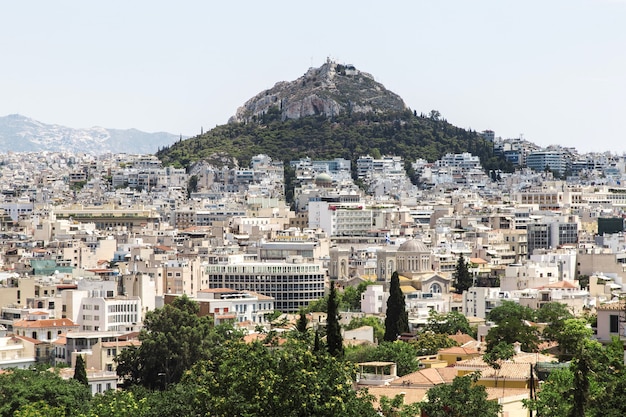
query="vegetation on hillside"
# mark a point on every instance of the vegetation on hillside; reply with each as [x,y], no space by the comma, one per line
[346,136]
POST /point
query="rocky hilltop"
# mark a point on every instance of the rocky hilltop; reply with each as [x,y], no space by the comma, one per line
[22,134]
[329,90]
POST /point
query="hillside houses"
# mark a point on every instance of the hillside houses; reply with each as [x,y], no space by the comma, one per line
[89,245]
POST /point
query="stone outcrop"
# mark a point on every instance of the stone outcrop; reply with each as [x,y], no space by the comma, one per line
[328,90]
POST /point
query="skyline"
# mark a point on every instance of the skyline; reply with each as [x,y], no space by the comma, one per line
[551,71]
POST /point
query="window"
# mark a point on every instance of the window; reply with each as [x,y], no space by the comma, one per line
[435,288]
[614,323]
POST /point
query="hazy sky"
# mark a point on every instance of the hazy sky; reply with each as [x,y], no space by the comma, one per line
[552,70]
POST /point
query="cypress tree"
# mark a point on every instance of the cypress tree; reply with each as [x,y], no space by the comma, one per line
[316,344]
[301,324]
[80,373]
[334,340]
[462,277]
[397,320]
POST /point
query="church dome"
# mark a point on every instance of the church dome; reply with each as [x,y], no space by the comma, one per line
[414,246]
[323,180]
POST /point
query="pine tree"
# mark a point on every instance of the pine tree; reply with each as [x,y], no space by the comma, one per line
[462,277]
[397,320]
[334,340]
[80,373]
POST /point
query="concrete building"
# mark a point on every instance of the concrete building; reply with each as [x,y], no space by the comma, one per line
[293,284]
[479,301]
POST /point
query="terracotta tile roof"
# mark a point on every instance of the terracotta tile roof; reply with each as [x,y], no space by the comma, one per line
[458,350]
[560,284]
[121,343]
[427,377]
[411,395]
[28,339]
[61,341]
[521,358]
[462,338]
[493,393]
[407,289]
[129,336]
[478,261]
[38,324]
[508,370]
[612,306]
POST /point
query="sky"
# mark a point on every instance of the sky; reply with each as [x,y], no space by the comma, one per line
[552,71]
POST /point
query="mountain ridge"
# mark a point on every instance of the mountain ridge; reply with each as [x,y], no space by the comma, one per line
[20,133]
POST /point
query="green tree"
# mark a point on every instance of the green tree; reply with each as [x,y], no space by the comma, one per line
[302,323]
[31,390]
[513,326]
[511,310]
[121,404]
[252,380]
[555,397]
[192,185]
[448,323]
[555,315]
[499,353]
[351,296]
[429,343]
[173,339]
[334,340]
[402,353]
[511,331]
[592,385]
[80,373]
[374,322]
[460,399]
[573,333]
[397,318]
[39,409]
[462,277]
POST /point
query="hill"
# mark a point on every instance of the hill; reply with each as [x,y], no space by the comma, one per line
[353,116]
[22,134]
[329,90]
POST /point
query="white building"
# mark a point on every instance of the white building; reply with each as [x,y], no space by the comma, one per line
[340,219]
[293,284]
[479,301]
[530,275]
[374,300]
[226,304]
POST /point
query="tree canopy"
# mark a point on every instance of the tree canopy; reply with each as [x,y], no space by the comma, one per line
[462,277]
[448,323]
[173,339]
[344,136]
[397,318]
[24,391]
[334,340]
[460,399]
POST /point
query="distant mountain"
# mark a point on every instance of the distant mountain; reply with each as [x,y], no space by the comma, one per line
[22,134]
